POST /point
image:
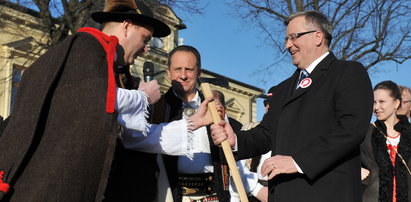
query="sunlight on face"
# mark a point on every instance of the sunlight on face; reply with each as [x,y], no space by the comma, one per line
[183,69]
[136,42]
[384,104]
[301,49]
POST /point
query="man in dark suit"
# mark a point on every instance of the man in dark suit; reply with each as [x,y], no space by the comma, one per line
[315,124]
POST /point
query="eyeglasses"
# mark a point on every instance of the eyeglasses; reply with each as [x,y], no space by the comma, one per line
[294,36]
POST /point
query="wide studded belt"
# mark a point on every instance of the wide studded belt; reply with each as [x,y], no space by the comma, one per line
[195,184]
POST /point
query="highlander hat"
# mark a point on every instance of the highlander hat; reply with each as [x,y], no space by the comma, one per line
[136,11]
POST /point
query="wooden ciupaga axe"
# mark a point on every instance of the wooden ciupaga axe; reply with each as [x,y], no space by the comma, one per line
[205,87]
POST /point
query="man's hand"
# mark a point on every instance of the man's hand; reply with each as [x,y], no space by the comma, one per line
[223,131]
[263,194]
[202,117]
[278,165]
[152,89]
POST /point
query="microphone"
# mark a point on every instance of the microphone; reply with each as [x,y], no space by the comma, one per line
[148,71]
[148,74]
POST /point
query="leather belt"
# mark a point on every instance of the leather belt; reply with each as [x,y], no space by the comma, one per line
[205,199]
[195,184]
[195,180]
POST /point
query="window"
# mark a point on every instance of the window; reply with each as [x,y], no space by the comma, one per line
[15,82]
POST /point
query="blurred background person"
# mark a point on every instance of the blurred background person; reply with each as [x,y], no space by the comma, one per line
[254,164]
[266,103]
[405,107]
[250,179]
[219,100]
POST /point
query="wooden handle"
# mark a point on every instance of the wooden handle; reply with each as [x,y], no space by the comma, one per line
[205,87]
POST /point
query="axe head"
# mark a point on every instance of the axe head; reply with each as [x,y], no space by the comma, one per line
[215,81]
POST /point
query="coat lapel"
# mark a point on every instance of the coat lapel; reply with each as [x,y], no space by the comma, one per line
[314,76]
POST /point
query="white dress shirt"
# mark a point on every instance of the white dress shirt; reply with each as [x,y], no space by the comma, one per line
[249,179]
[199,146]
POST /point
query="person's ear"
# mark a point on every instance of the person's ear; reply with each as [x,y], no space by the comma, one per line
[199,72]
[397,103]
[319,38]
[127,24]
[168,73]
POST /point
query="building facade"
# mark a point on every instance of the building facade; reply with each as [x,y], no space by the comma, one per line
[20,45]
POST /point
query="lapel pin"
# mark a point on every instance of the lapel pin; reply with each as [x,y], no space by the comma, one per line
[305,83]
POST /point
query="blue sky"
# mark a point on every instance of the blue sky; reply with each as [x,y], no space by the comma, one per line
[236,50]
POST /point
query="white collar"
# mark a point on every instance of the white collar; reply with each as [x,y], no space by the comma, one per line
[193,103]
[316,62]
[196,101]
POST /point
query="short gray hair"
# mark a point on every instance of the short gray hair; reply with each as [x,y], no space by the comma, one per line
[316,18]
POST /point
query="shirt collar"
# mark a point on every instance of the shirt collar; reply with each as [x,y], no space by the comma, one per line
[193,103]
[196,101]
[316,62]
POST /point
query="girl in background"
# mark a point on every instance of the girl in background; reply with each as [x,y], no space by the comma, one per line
[386,149]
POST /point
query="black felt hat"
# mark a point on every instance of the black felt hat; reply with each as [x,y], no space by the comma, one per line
[137,11]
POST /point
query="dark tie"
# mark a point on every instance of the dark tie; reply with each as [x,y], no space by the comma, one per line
[303,75]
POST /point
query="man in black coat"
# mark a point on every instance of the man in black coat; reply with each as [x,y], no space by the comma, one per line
[315,124]
[60,140]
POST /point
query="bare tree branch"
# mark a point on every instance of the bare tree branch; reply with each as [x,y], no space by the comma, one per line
[264,9]
[370,32]
[299,5]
